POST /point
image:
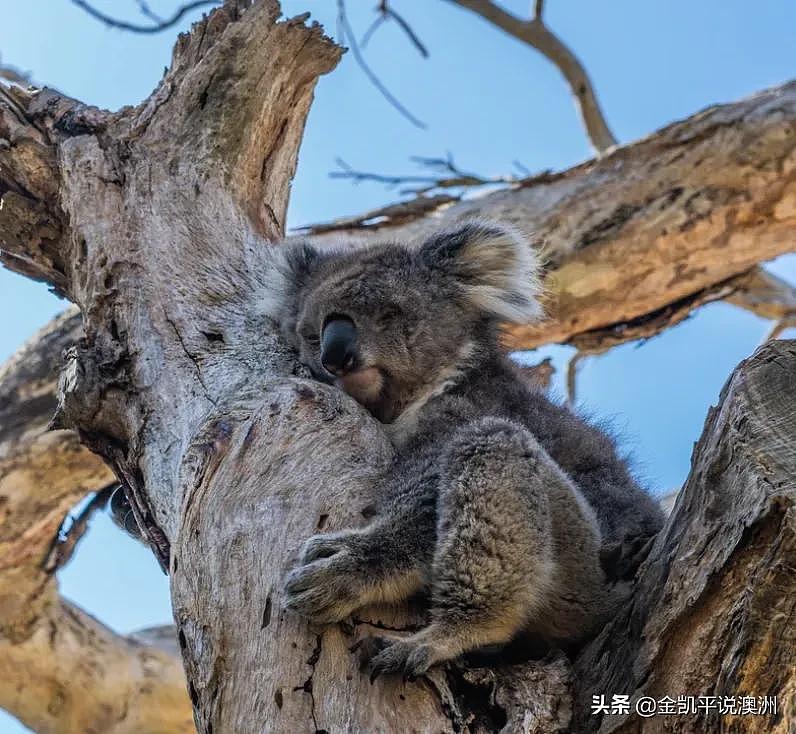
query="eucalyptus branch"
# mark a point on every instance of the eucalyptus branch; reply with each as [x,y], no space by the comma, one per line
[537,35]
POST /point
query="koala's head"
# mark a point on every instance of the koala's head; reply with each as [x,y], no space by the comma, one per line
[388,321]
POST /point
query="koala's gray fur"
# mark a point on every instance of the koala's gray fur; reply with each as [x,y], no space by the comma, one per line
[515,514]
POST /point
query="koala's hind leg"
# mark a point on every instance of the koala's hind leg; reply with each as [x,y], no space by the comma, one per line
[494,557]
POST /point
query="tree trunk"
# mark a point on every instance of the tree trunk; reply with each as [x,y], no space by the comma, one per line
[713,608]
[152,220]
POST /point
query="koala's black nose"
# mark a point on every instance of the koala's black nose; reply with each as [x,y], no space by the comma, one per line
[339,345]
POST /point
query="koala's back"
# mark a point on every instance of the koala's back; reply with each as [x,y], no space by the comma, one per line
[585,452]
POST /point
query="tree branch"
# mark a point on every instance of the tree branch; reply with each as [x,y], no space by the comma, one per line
[156,27]
[449,176]
[51,652]
[184,384]
[637,239]
[756,291]
[74,528]
[347,36]
[713,605]
[536,34]
[393,214]
[764,294]
[74,675]
[387,12]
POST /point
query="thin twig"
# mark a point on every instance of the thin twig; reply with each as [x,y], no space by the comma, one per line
[137,28]
[347,172]
[372,28]
[450,176]
[523,169]
[572,377]
[147,12]
[347,36]
[536,34]
[386,12]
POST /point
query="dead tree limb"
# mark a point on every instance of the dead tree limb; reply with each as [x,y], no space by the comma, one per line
[756,291]
[61,671]
[651,230]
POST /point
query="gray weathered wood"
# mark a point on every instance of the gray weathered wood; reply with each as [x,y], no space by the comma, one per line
[713,609]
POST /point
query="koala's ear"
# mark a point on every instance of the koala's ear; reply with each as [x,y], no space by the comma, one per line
[287,270]
[497,268]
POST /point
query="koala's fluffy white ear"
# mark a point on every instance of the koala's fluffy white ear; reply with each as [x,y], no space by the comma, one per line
[288,268]
[497,268]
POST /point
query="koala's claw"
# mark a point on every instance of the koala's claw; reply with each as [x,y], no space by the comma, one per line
[325,546]
[316,610]
[324,590]
[381,655]
[326,586]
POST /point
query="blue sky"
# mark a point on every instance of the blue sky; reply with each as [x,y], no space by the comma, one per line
[488,100]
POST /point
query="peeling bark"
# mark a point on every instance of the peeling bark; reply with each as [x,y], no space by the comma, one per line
[156,219]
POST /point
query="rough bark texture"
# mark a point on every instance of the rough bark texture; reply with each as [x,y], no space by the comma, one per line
[713,608]
[61,671]
[152,219]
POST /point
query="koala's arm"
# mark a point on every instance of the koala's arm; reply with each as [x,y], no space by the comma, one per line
[386,561]
[496,530]
[517,550]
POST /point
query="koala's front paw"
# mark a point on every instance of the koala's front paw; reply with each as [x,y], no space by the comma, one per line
[327,586]
[385,655]
[329,544]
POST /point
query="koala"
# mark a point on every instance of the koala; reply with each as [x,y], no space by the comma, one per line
[510,512]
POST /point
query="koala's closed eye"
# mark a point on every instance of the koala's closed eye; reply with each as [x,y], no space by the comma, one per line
[310,336]
[387,316]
